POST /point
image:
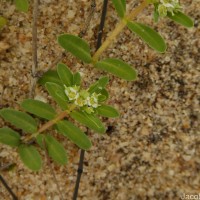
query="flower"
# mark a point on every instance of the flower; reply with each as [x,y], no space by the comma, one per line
[72,92]
[93,100]
[82,98]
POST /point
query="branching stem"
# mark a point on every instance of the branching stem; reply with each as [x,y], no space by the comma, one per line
[50,123]
[118,29]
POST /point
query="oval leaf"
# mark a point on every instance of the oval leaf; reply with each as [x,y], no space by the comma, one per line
[75,45]
[90,121]
[120,6]
[65,74]
[118,68]
[30,157]
[57,92]
[39,108]
[2,22]
[22,5]
[100,84]
[77,79]
[19,119]
[148,35]
[9,137]
[182,19]
[56,150]
[50,76]
[74,134]
[107,111]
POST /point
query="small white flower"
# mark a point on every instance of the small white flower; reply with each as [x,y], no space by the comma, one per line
[72,92]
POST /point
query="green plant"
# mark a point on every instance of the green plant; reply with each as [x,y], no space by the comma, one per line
[81,105]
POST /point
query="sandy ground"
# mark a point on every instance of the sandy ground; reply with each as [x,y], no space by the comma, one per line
[152,151]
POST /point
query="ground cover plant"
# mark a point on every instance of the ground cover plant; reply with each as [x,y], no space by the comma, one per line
[81,104]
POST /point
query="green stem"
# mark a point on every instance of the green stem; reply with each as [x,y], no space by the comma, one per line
[118,29]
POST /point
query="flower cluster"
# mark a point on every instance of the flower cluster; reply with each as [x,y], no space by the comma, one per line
[165,6]
[82,98]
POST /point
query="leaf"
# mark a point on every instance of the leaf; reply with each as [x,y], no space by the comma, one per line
[57,92]
[30,157]
[9,137]
[182,19]
[148,35]
[19,119]
[75,45]
[118,68]
[56,150]
[3,22]
[88,120]
[77,79]
[120,6]
[65,74]
[22,5]
[39,140]
[39,108]
[100,84]
[104,93]
[107,111]
[74,134]
[50,76]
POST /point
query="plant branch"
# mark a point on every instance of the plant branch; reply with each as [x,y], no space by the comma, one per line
[79,173]
[34,48]
[8,188]
[50,123]
[99,38]
[120,26]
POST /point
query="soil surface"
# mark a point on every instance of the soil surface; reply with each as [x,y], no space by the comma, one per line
[153,150]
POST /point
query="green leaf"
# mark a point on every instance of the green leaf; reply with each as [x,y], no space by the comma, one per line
[118,68]
[65,74]
[56,150]
[39,108]
[100,84]
[50,76]
[22,5]
[75,45]
[107,111]
[39,140]
[77,79]
[120,6]
[3,22]
[182,19]
[19,119]
[104,93]
[74,134]
[148,35]
[58,94]
[30,157]
[9,137]
[88,120]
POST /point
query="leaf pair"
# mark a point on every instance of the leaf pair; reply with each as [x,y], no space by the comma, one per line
[31,157]
[79,48]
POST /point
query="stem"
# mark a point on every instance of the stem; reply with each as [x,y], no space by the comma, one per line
[34,48]
[99,38]
[118,30]
[79,173]
[8,188]
[50,123]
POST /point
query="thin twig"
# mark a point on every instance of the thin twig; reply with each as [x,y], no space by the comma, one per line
[52,170]
[81,34]
[8,188]
[99,38]
[34,48]
[88,20]
[79,173]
